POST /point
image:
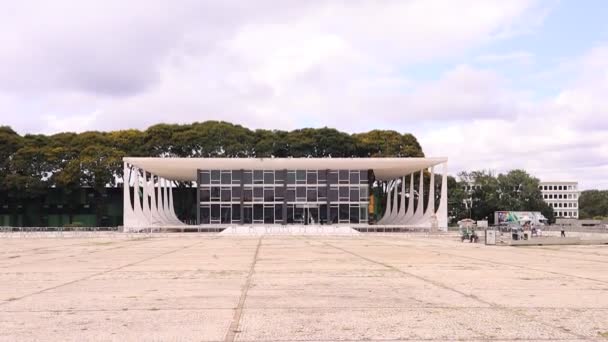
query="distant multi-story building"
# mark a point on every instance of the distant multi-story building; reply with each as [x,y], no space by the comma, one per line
[562,197]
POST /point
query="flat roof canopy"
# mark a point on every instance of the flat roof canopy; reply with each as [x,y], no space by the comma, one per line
[184,169]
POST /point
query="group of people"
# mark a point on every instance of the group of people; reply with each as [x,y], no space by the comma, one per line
[536,230]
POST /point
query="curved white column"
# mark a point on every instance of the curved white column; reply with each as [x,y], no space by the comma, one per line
[395,207]
[410,205]
[137,207]
[401,212]
[128,216]
[163,201]
[146,200]
[430,208]
[155,215]
[418,214]
[172,206]
[387,209]
[167,204]
[442,210]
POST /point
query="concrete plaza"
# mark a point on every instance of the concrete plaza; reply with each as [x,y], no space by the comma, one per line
[298,288]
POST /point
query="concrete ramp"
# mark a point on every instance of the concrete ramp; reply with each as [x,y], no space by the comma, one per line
[254,230]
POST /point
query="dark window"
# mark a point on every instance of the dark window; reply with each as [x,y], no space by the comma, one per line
[258,192]
[247,195]
[205,178]
[300,192]
[311,177]
[311,195]
[268,214]
[205,212]
[226,218]
[323,213]
[205,195]
[226,179]
[215,176]
[268,177]
[363,194]
[343,212]
[354,214]
[290,214]
[291,177]
[333,194]
[343,175]
[354,177]
[333,214]
[269,194]
[225,194]
[354,194]
[215,212]
[363,214]
[236,212]
[247,177]
[278,213]
[279,192]
[291,194]
[298,215]
[279,176]
[247,214]
[322,176]
[332,177]
[322,192]
[343,193]
[236,176]
[215,193]
[314,215]
[258,212]
[236,193]
[300,176]
[363,177]
[258,176]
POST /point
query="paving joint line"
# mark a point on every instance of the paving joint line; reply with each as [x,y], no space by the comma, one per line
[501,263]
[452,308]
[97,274]
[494,305]
[75,255]
[441,285]
[238,312]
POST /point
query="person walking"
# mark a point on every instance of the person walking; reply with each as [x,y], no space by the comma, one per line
[563,232]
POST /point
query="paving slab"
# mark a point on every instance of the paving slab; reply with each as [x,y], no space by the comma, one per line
[205,287]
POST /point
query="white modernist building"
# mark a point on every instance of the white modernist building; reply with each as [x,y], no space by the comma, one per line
[283,191]
[562,197]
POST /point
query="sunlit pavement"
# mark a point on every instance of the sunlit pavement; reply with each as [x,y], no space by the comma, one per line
[300,288]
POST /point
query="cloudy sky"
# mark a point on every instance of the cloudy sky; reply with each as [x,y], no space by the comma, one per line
[489,84]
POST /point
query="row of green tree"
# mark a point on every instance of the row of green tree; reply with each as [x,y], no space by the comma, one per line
[479,194]
[31,163]
[593,204]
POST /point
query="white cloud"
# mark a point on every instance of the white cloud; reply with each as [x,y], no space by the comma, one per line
[230,60]
[561,138]
[519,57]
[71,65]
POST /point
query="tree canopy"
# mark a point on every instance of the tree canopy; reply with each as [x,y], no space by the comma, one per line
[484,193]
[593,204]
[31,163]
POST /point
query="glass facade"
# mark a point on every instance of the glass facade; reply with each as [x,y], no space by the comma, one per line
[283,196]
